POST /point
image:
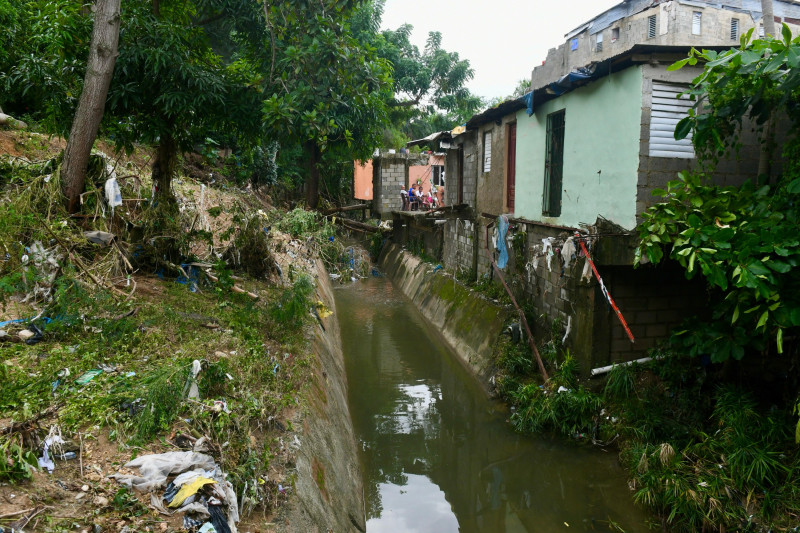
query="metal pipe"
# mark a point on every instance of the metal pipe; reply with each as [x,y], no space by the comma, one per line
[605,369]
[522,318]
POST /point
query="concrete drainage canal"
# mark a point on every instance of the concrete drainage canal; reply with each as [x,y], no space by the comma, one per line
[437,455]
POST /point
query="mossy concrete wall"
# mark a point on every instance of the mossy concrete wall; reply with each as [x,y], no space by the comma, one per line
[468,322]
[328,484]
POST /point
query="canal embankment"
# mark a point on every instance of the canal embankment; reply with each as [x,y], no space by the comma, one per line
[468,321]
[328,481]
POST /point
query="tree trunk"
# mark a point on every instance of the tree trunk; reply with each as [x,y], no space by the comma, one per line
[769,17]
[164,167]
[100,69]
[312,184]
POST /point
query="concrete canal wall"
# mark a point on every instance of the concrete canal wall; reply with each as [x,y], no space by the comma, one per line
[328,483]
[468,322]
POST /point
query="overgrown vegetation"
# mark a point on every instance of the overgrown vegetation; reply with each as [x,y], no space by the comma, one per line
[120,348]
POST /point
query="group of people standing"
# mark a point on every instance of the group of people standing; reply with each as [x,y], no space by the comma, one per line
[415,199]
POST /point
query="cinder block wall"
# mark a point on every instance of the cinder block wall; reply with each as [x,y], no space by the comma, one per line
[458,249]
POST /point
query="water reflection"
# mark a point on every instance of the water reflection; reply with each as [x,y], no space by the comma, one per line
[438,456]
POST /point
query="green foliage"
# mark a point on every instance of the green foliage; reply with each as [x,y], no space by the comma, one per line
[43,49]
[292,308]
[742,240]
[163,400]
[16,463]
[742,476]
[756,81]
[569,412]
[376,244]
[300,223]
[332,91]
[621,383]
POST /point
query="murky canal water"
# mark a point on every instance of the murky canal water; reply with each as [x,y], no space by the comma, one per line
[438,456]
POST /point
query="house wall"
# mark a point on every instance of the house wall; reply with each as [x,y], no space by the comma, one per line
[655,172]
[601,153]
[424,173]
[459,244]
[389,173]
[362,180]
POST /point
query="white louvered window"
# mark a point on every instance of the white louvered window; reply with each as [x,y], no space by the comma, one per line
[666,111]
[761,30]
[697,21]
[599,42]
[651,26]
[487,151]
[734,29]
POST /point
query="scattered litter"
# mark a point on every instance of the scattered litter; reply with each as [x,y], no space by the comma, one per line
[194,391]
[25,334]
[335,276]
[547,250]
[208,527]
[200,490]
[189,489]
[562,388]
[436,269]
[568,251]
[107,368]
[221,405]
[113,194]
[130,374]
[99,237]
[86,377]
[569,329]
[322,310]
[55,442]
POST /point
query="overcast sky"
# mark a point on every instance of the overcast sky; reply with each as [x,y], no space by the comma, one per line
[503,39]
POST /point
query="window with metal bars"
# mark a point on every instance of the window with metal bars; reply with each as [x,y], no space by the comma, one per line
[599,43]
[651,26]
[697,22]
[734,29]
[553,165]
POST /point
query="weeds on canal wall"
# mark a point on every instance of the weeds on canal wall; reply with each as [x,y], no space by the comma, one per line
[703,456]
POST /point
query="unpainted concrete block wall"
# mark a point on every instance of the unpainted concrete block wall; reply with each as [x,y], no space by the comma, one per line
[458,250]
[673,28]
[469,143]
[390,172]
[652,299]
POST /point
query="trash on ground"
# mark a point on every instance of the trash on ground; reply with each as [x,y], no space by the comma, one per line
[193,390]
[199,490]
[86,377]
[99,237]
[53,443]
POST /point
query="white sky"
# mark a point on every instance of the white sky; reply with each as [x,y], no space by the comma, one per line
[503,39]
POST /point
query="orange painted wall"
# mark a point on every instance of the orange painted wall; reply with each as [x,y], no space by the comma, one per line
[362,178]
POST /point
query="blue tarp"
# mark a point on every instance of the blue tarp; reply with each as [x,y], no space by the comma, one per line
[528,99]
[502,229]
